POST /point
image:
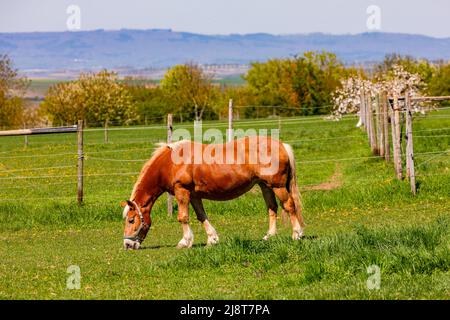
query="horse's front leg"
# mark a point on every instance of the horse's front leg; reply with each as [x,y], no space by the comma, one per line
[197,204]
[183,197]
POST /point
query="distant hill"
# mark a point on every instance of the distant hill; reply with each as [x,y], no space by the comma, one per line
[140,49]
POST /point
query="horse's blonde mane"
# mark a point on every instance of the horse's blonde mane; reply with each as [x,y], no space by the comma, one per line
[160,148]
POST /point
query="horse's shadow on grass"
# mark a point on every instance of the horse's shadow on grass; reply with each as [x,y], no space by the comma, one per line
[311,237]
[199,245]
[160,246]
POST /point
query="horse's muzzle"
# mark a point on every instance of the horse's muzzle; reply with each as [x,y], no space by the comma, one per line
[131,244]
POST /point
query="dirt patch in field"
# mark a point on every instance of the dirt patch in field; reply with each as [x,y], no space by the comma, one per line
[334,182]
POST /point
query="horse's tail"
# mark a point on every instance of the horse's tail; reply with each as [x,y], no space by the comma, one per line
[292,184]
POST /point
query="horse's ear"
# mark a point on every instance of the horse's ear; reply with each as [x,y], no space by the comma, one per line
[130,204]
[123,204]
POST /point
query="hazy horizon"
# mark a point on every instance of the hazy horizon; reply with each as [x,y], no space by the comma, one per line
[212,17]
[231,34]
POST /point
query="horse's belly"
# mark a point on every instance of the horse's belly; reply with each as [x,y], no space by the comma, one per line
[222,184]
[220,193]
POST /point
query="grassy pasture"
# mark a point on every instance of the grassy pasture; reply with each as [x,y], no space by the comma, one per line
[367,219]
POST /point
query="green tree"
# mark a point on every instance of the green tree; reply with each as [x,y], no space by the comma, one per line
[439,85]
[189,89]
[265,82]
[150,102]
[12,91]
[243,100]
[95,98]
[304,84]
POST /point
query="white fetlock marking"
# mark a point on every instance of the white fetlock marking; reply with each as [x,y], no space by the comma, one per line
[188,237]
[213,238]
[272,225]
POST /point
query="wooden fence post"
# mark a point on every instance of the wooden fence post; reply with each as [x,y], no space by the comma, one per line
[396,137]
[409,144]
[391,114]
[367,117]
[169,140]
[80,163]
[372,135]
[407,136]
[362,107]
[380,131]
[386,108]
[230,120]
[106,131]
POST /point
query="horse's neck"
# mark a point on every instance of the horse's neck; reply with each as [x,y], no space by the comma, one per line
[142,196]
[149,188]
[144,191]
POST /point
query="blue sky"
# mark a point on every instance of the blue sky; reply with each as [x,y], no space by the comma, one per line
[430,17]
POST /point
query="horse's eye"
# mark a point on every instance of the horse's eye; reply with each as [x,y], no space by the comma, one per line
[131,220]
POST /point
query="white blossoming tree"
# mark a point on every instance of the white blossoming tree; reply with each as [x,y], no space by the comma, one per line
[347,98]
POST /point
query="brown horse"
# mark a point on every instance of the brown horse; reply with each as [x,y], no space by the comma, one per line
[193,171]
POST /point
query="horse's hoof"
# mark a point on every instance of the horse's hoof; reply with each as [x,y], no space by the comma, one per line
[185,243]
[212,241]
[297,236]
[268,236]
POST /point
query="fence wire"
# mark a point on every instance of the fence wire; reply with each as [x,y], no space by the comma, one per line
[285,122]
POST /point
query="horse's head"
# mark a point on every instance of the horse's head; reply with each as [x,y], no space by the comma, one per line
[137,224]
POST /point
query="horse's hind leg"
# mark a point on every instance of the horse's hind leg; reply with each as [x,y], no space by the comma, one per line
[197,204]
[183,196]
[288,204]
[272,207]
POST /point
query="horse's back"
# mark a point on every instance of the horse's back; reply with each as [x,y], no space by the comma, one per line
[225,171]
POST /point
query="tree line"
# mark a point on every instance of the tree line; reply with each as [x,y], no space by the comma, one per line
[300,85]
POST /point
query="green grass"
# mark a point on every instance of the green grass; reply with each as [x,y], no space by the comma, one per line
[372,219]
